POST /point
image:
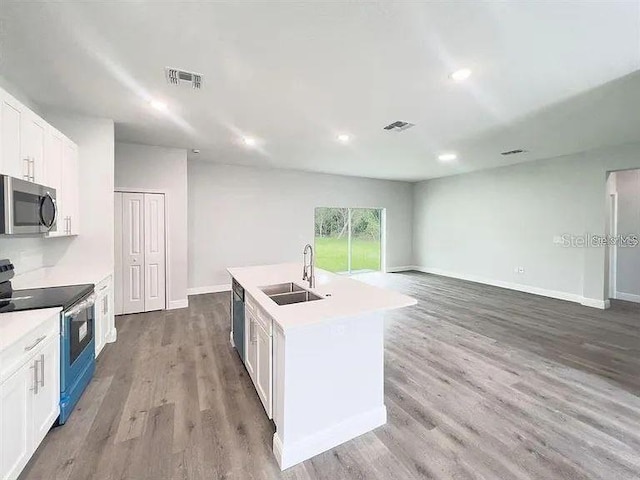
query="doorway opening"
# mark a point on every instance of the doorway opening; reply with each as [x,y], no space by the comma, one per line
[140,252]
[349,240]
[623,229]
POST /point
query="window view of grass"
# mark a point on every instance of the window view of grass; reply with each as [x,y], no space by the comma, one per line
[332,239]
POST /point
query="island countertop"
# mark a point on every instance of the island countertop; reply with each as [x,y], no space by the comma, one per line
[342,296]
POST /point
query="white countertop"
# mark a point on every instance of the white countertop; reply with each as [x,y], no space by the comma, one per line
[348,298]
[60,276]
[15,325]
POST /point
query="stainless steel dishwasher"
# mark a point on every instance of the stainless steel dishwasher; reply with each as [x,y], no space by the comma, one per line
[237,317]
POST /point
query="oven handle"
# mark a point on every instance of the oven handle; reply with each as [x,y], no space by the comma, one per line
[88,302]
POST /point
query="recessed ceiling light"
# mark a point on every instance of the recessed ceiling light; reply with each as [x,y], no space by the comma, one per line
[460,75]
[249,141]
[195,150]
[158,105]
[344,138]
[447,157]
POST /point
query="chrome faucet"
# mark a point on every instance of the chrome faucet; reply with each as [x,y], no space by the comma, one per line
[307,270]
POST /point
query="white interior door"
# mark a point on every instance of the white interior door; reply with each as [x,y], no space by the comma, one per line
[154,258]
[133,274]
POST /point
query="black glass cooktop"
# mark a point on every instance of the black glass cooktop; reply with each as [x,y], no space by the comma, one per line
[35,298]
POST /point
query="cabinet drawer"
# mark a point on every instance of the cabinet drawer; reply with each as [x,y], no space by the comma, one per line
[250,304]
[103,286]
[20,352]
[264,320]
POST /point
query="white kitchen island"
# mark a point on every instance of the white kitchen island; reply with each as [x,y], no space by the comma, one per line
[318,366]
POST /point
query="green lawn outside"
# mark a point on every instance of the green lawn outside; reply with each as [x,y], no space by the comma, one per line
[331,254]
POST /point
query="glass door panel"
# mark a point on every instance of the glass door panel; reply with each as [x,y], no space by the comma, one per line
[332,239]
[365,239]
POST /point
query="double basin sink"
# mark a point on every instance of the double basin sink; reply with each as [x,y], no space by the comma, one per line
[289,293]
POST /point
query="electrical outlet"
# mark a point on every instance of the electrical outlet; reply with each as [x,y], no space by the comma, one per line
[520,270]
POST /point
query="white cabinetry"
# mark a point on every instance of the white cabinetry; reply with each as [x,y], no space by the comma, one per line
[29,395]
[32,150]
[15,431]
[264,368]
[250,350]
[104,313]
[11,160]
[33,136]
[258,352]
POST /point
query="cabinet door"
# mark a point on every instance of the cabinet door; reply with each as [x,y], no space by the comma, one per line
[46,400]
[264,368]
[53,177]
[11,161]
[15,421]
[33,139]
[102,316]
[250,344]
[71,188]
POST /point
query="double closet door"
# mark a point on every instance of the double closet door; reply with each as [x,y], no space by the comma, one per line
[140,252]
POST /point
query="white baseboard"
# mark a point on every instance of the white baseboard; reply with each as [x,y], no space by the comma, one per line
[176,304]
[226,287]
[544,292]
[289,454]
[405,268]
[628,297]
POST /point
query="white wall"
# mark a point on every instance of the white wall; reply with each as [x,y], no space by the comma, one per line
[164,170]
[628,259]
[483,225]
[250,216]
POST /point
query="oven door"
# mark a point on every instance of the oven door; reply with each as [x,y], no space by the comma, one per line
[77,341]
[27,207]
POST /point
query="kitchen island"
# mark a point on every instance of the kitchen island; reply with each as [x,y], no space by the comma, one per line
[318,365]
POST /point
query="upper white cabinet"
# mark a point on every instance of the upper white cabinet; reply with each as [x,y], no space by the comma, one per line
[33,150]
[33,136]
[11,161]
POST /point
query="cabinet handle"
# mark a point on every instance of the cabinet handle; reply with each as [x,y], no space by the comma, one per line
[27,170]
[42,370]
[33,345]
[34,389]
[33,170]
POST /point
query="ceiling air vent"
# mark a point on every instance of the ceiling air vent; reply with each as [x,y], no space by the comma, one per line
[514,152]
[180,77]
[398,126]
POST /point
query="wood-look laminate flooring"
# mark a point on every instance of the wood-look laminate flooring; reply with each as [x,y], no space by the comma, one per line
[481,383]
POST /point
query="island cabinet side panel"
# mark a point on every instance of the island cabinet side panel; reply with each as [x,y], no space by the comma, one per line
[329,385]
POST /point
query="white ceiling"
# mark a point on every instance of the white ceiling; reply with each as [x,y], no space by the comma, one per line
[550,77]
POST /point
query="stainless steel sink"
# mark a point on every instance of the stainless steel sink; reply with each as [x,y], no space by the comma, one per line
[294,297]
[282,288]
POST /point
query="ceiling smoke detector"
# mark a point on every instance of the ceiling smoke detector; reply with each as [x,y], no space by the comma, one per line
[514,152]
[398,126]
[179,77]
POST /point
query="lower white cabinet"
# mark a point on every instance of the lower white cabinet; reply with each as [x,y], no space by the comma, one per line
[250,350]
[29,404]
[15,425]
[258,352]
[264,368]
[104,309]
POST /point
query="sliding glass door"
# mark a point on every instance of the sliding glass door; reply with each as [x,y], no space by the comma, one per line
[348,240]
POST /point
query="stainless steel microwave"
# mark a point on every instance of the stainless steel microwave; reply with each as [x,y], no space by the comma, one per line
[26,207]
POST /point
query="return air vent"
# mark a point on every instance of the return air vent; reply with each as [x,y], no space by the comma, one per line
[182,77]
[398,126]
[514,152]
